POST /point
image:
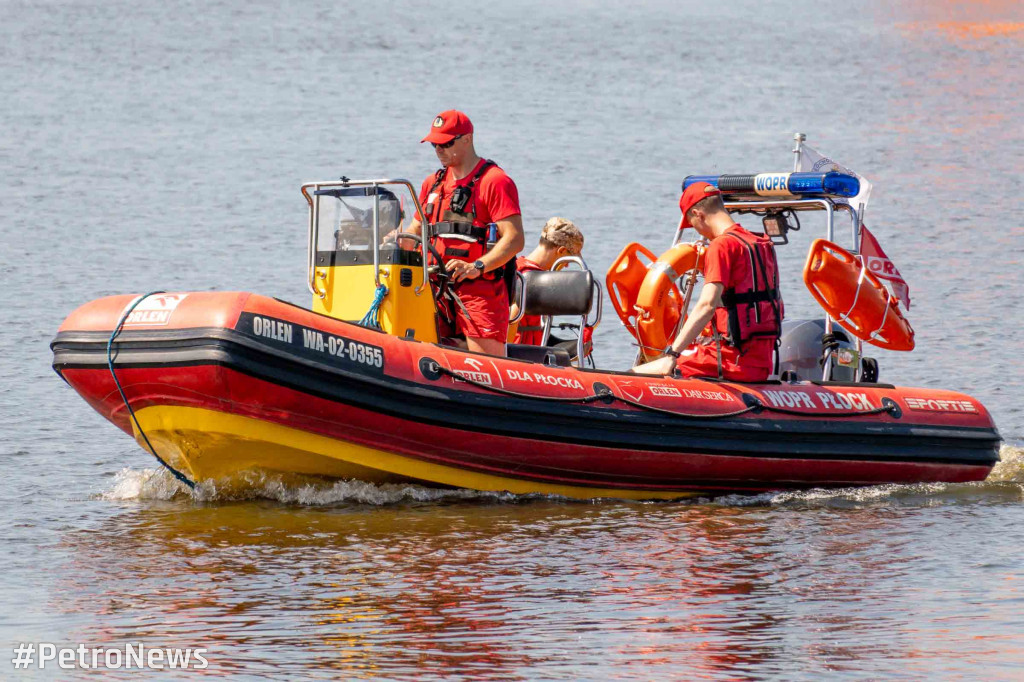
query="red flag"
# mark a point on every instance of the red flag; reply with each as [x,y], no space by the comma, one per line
[881,267]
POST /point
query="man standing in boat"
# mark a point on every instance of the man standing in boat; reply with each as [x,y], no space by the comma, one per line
[740,299]
[476,228]
[558,238]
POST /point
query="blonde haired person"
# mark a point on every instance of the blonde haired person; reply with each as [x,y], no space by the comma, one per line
[559,237]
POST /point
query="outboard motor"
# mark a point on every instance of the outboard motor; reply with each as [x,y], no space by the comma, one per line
[804,349]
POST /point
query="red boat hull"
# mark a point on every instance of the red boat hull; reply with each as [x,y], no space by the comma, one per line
[224,383]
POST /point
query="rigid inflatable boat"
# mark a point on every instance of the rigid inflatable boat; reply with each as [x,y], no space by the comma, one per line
[219,385]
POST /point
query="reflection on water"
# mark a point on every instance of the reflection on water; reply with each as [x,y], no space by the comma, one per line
[971,30]
[339,581]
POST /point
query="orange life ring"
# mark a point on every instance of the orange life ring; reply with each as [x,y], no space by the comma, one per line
[659,304]
[855,298]
[624,279]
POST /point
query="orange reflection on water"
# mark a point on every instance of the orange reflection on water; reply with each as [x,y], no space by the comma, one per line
[975,30]
[961,21]
[956,70]
[968,30]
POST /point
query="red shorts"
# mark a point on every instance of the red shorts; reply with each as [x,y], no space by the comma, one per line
[487,303]
[702,361]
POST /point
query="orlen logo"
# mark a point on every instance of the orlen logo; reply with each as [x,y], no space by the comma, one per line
[479,377]
[154,310]
[475,374]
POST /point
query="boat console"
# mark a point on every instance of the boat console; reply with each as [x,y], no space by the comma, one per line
[357,270]
[364,268]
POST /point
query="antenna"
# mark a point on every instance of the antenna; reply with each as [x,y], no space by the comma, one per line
[798,139]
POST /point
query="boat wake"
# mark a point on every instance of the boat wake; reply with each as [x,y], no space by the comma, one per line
[1010,468]
[159,484]
[1006,482]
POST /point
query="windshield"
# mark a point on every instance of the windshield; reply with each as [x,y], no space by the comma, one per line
[345,221]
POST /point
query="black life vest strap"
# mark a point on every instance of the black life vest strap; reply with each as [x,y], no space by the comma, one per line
[731,298]
[718,348]
[476,176]
[459,227]
[439,176]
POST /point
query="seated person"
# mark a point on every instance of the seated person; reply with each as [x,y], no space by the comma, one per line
[740,299]
[559,237]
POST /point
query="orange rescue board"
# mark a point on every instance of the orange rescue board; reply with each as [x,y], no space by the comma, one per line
[855,298]
[624,279]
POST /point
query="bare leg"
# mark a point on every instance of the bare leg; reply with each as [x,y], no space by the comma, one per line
[488,346]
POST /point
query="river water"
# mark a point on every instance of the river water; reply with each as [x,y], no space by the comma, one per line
[151,145]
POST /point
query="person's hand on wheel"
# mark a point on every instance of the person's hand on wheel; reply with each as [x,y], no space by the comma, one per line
[460,270]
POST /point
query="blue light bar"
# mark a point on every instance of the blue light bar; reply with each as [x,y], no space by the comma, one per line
[782,184]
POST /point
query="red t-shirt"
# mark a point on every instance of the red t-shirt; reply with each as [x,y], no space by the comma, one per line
[495,196]
[534,335]
[727,262]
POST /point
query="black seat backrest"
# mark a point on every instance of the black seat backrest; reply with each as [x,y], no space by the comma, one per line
[566,292]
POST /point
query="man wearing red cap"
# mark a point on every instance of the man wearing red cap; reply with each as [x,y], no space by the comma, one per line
[462,200]
[740,299]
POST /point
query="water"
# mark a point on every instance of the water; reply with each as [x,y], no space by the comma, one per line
[146,146]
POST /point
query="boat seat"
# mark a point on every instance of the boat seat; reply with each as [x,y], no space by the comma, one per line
[566,292]
[558,292]
[546,355]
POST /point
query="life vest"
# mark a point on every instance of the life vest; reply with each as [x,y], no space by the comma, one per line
[461,235]
[530,328]
[752,308]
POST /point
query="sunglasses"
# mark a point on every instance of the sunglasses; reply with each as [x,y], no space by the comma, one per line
[446,145]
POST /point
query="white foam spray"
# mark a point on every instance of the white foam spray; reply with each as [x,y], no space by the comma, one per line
[159,484]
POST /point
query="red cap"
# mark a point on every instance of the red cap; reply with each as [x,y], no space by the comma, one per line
[447,126]
[693,194]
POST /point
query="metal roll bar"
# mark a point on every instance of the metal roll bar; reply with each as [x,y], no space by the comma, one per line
[520,299]
[376,236]
[314,208]
[580,345]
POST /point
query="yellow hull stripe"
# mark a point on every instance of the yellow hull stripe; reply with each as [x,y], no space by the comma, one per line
[212,445]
